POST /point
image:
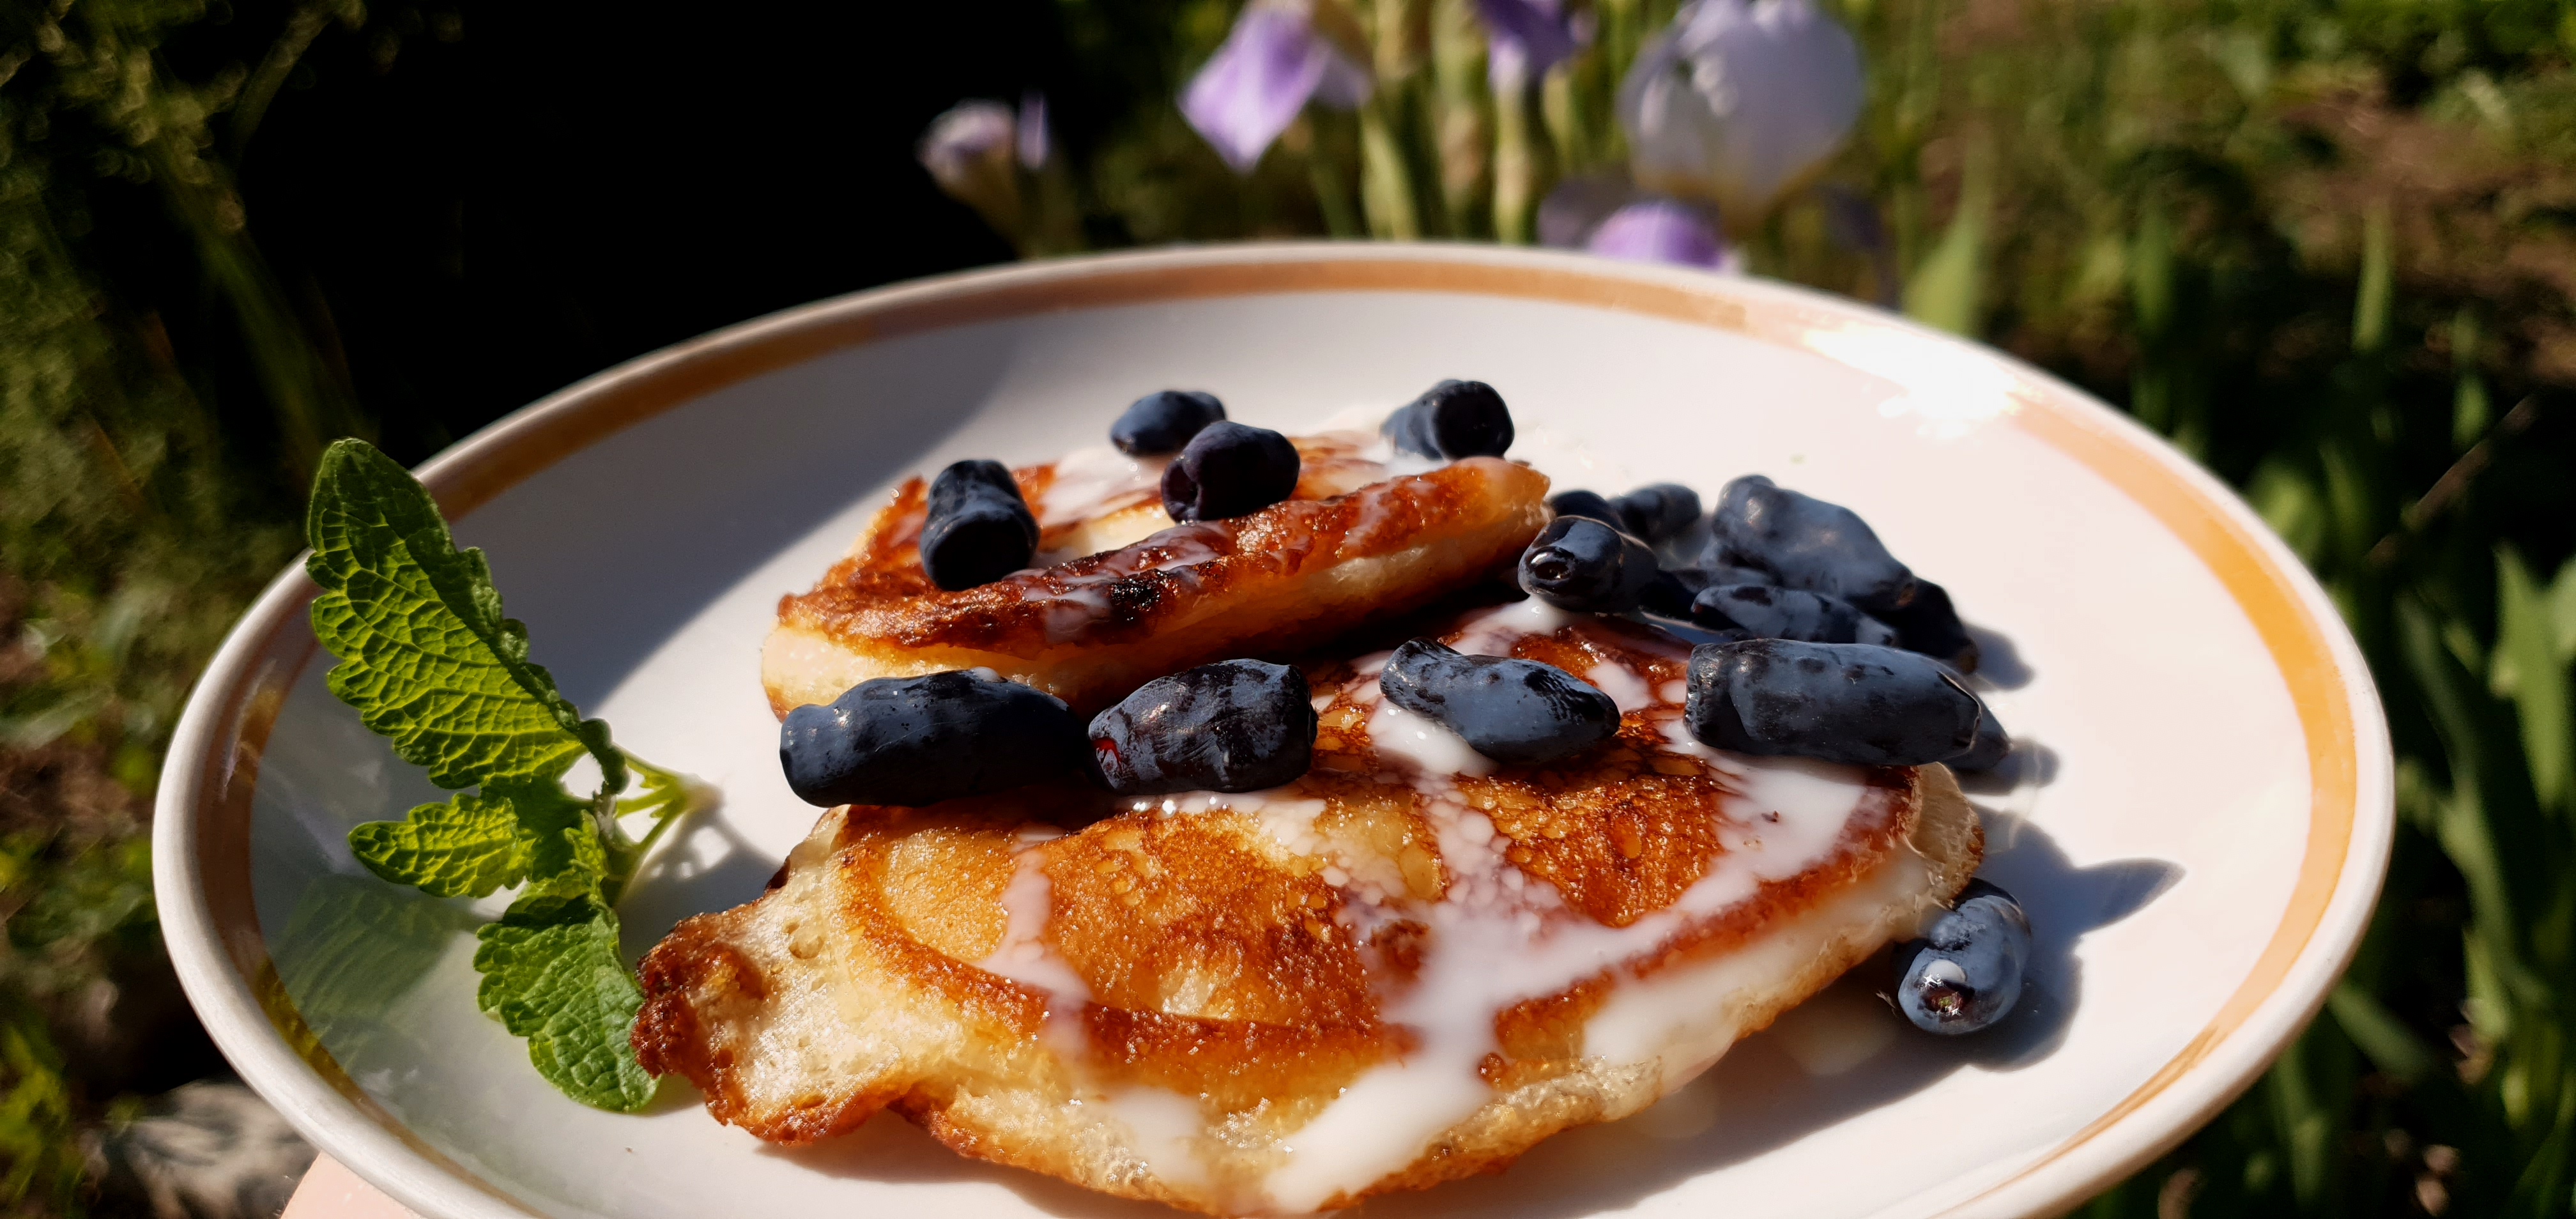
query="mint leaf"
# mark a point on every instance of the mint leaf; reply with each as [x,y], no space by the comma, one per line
[551,973]
[428,660]
[466,847]
[426,656]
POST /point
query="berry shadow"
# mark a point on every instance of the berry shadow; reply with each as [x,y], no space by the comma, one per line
[2030,764]
[1999,663]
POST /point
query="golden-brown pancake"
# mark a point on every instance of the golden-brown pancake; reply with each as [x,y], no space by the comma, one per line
[1128,596]
[1409,966]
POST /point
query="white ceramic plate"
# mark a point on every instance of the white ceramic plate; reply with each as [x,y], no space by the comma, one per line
[2198,823]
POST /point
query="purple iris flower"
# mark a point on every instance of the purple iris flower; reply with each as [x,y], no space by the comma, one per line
[1527,37]
[965,140]
[1660,230]
[1032,134]
[1271,65]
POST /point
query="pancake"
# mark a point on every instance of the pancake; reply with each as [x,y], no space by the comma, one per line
[1409,966]
[1127,596]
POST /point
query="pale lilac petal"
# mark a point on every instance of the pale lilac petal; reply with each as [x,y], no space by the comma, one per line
[1346,82]
[1577,206]
[1033,135]
[1256,83]
[964,140]
[1660,231]
[1526,38]
[1740,101]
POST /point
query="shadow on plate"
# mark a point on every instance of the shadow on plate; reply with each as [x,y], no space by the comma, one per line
[1841,1054]
[2030,764]
[1998,661]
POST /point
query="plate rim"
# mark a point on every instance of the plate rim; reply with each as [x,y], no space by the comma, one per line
[201,869]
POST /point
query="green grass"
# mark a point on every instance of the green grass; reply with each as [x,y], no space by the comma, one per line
[2328,248]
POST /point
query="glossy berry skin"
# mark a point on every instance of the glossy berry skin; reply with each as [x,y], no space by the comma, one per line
[1517,712]
[1234,726]
[1580,564]
[913,741]
[1804,542]
[1993,744]
[1669,594]
[1229,470]
[1837,702]
[1658,511]
[1762,611]
[1965,974]
[978,529]
[1451,420]
[1928,624]
[1585,504]
[1163,421]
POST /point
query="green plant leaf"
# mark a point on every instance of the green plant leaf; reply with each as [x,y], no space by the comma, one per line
[1948,288]
[465,847]
[2383,1037]
[426,656]
[2529,669]
[552,975]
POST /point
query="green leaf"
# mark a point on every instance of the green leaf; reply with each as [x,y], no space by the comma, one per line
[552,975]
[2527,668]
[465,847]
[2391,1046]
[1948,288]
[426,656]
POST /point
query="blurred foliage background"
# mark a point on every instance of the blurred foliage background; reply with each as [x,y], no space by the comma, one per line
[2328,246]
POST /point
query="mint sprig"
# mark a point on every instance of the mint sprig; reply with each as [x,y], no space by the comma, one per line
[429,662]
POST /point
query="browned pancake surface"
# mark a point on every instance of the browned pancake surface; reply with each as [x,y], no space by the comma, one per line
[1215,962]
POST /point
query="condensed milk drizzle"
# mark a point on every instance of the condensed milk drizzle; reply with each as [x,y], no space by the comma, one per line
[1498,935]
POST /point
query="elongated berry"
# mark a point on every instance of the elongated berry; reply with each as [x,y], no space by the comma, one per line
[1517,712]
[1807,543]
[1578,563]
[919,740]
[1928,624]
[1229,470]
[1657,511]
[979,529]
[1839,702]
[1451,420]
[1767,612]
[1163,421]
[1233,726]
[1965,974]
[1585,504]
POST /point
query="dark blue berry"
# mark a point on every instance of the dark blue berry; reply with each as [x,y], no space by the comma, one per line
[1451,420]
[1928,624]
[1229,470]
[1234,726]
[1658,511]
[1806,543]
[1840,702]
[1162,421]
[1762,611]
[1669,594]
[1517,712]
[1993,743]
[1578,563]
[1585,504]
[920,740]
[1966,972]
[978,529]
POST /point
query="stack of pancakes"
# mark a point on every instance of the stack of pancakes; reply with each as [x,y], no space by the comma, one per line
[1410,965]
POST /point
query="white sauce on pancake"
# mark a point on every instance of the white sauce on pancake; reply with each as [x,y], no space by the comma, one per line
[1089,482]
[1498,937]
